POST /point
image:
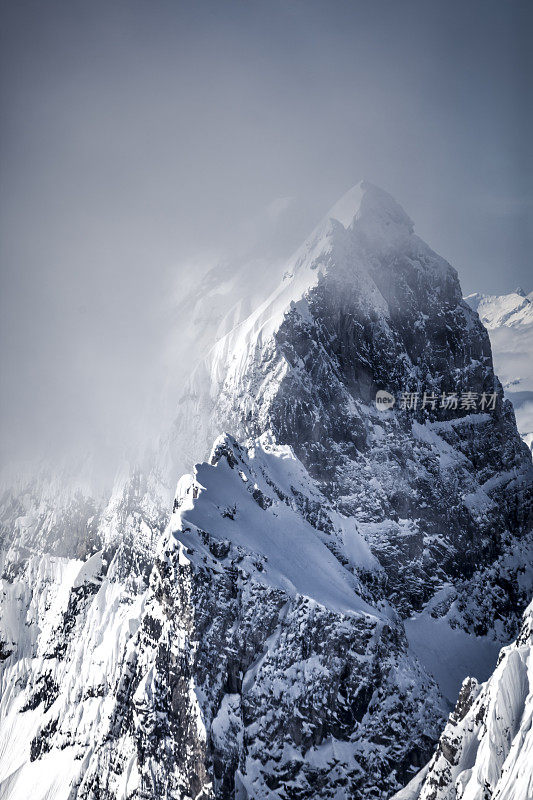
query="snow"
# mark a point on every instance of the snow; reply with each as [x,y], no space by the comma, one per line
[33,614]
[90,570]
[228,718]
[296,560]
[506,310]
[49,778]
[346,209]
[449,654]
[414,787]
[374,215]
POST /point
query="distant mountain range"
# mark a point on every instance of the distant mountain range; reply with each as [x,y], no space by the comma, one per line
[509,321]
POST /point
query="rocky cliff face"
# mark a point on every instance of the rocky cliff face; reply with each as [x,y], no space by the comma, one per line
[281,638]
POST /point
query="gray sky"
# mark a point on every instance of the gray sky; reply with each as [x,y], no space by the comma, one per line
[141,141]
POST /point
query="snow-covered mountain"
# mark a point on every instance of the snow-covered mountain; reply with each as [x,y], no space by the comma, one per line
[486,749]
[301,623]
[509,321]
[507,310]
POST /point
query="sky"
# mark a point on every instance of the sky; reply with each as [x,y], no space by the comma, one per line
[143,142]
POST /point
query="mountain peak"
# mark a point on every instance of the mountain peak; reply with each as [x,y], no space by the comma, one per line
[365,202]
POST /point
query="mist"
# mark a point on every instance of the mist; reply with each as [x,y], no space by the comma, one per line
[144,144]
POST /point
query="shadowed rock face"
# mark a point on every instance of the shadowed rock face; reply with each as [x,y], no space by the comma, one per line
[256,649]
[323,416]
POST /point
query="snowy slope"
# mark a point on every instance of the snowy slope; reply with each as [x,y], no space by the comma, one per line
[300,562]
[486,749]
[69,628]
